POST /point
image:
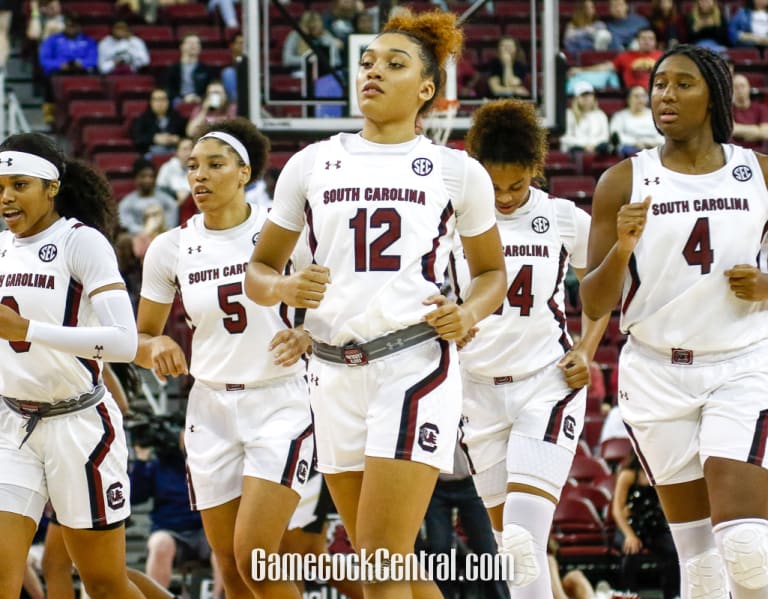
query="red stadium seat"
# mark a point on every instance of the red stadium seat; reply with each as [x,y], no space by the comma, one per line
[587,469]
[560,163]
[208,34]
[479,34]
[120,87]
[104,138]
[97,31]
[91,12]
[191,13]
[614,451]
[598,496]
[115,164]
[83,112]
[156,36]
[130,109]
[217,58]
[589,57]
[607,355]
[71,87]
[593,426]
[121,187]
[572,187]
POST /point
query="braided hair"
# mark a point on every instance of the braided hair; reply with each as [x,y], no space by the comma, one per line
[719,80]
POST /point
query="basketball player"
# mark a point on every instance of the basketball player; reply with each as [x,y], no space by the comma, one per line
[64,310]
[381,207]
[248,429]
[524,380]
[676,235]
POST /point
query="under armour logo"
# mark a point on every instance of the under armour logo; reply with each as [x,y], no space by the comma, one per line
[328,164]
[623,395]
[314,380]
[99,349]
[392,346]
[655,180]
[197,249]
[191,428]
[2,254]
[7,161]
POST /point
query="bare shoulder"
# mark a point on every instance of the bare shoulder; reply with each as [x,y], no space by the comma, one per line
[615,184]
[762,160]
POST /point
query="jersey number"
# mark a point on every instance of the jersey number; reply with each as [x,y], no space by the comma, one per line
[697,250]
[377,260]
[237,320]
[19,347]
[520,292]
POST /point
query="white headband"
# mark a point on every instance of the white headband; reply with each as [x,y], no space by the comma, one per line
[235,143]
[23,163]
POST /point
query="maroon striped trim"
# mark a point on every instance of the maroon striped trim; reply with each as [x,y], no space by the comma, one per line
[71,310]
[428,259]
[556,417]
[454,277]
[96,490]
[191,489]
[311,238]
[410,411]
[294,452]
[634,285]
[560,318]
[757,451]
[640,455]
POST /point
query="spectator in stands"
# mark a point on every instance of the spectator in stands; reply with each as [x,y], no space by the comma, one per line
[668,25]
[749,26]
[311,24]
[172,176]
[750,119]
[70,51]
[455,493]
[159,128]
[633,126]
[507,71]
[227,11]
[176,533]
[641,525]
[632,66]
[586,125]
[339,19]
[229,73]
[365,22]
[623,25]
[6,13]
[45,19]
[585,31]
[707,26]
[186,80]
[216,106]
[154,224]
[121,51]
[131,208]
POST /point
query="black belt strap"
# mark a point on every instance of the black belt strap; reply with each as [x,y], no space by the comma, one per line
[354,354]
[34,411]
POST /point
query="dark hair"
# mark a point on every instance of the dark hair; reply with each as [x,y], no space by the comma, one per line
[714,69]
[437,36]
[140,164]
[256,143]
[496,123]
[83,194]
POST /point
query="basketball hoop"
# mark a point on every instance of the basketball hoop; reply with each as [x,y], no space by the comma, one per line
[439,122]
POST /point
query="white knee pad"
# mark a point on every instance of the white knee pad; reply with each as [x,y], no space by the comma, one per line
[491,485]
[744,546]
[518,542]
[706,576]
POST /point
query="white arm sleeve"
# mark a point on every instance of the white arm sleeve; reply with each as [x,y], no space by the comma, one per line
[115,340]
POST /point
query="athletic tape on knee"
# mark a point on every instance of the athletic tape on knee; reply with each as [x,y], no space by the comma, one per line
[706,576]
[743,544]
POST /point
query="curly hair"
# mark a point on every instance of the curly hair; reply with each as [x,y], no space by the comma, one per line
[83,194]
[719,80]
[255,142]
[508,132]
[437,36]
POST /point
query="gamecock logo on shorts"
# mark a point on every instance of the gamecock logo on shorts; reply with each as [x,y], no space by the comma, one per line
[115,496]
[302,470]
[428,437]
[569,427]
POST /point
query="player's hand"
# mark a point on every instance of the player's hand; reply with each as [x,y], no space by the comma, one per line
[748,282]
[306,288]
[462,343]
[575,367]
[168,358]
[289,345]
[630,223]
[13,326]
[449,319]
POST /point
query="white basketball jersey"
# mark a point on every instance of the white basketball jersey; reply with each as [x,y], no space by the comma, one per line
[47,278]
[675,293]
[528,331]
[231,333]
[383,223]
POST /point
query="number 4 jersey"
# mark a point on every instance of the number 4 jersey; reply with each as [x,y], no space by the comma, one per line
[528,331]
[675,293]
[231,333]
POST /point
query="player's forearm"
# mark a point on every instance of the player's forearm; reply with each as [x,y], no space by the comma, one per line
[592,332]
[263,284]
[601,289]
[486,294]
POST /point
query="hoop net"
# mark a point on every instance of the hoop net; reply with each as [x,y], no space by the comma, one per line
[439,122]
